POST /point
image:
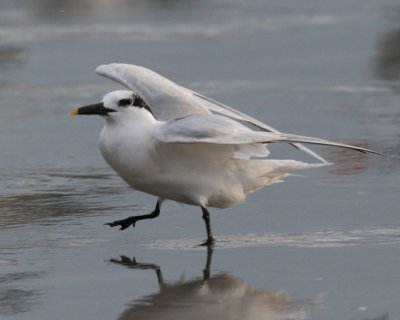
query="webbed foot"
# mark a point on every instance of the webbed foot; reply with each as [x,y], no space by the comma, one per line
[124,224]
[210,242]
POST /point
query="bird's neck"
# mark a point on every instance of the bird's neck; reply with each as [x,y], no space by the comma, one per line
[126,146]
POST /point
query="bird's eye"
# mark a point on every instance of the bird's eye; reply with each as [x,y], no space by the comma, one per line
[125,102]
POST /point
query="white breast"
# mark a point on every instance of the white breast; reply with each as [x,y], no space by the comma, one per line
[127,147]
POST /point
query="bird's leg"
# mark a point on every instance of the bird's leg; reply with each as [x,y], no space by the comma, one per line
[206,217]
[133,264]
[207,268]
[125,223]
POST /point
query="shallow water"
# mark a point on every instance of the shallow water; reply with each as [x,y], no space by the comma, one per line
[324,245]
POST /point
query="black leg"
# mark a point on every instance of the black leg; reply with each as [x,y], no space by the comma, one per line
[206,217]
[125,223]
[207,268]
[131,263]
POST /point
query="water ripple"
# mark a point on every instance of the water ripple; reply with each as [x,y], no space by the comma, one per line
[35,194]
[320,239]
[163,32]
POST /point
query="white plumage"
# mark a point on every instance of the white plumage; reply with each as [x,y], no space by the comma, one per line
[169,101]
[164,140]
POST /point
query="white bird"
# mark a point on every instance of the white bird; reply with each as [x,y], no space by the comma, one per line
[220,296]
[170,101]
[161,141]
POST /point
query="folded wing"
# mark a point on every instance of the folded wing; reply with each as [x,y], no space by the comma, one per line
[214,129]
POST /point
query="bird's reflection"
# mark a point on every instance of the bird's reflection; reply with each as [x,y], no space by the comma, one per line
[220,296]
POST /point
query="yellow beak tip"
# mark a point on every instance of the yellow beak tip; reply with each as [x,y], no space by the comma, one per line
[73,112]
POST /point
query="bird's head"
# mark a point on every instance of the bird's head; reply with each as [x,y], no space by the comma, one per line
[115,104]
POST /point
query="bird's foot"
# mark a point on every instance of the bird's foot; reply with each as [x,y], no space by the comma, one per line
[125,223]
[210,242]
[124,260]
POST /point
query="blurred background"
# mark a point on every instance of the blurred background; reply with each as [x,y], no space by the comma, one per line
[321,246]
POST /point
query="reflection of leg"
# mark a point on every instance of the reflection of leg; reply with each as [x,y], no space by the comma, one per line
[131,263]
[206,217]
[125,223]
[207,267]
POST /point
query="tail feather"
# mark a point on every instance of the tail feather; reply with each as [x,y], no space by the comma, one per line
[262,173]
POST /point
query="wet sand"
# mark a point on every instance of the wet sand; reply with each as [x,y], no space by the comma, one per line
[324,245]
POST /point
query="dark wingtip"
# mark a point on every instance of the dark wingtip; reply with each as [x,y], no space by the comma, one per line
[365,151]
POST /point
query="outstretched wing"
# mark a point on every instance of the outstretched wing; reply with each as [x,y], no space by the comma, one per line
[169,101]
[216,129]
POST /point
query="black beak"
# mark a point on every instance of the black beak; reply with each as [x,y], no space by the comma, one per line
[97,108]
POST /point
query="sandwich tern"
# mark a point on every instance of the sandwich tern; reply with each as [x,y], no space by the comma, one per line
[219,296]
[175,144]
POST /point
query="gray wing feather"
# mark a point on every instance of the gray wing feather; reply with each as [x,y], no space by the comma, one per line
[216,129]
[166,99]
[231,112]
